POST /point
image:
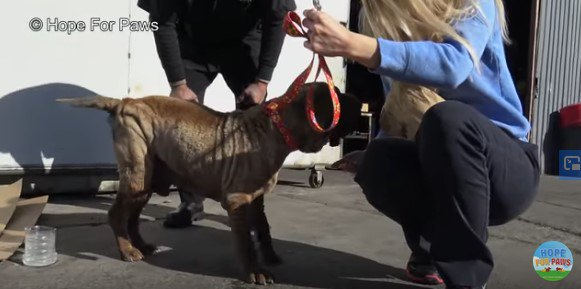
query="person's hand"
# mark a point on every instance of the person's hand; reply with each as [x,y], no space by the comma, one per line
[183,92]
[254,94]
[326,35]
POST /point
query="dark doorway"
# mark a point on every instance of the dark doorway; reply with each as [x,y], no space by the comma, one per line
[518,52]
[366,85]
[368,88]
[519,17]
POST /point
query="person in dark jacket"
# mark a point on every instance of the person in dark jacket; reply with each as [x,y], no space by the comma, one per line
[199,39]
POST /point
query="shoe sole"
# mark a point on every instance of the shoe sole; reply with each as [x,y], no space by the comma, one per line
[431,279]
[198,216]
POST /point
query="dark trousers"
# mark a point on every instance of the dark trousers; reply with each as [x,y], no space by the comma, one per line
[461,175]
[238,68]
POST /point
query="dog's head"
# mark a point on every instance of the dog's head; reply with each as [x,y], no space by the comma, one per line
[295,118]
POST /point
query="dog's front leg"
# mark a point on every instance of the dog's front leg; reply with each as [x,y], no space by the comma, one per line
[260,224]
[238,206]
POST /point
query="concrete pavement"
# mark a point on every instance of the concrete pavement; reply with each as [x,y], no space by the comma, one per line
[329,238]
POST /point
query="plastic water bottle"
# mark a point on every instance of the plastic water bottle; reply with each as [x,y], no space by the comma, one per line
[39,246]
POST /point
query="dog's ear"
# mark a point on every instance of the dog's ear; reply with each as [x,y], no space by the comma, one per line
[322,102]
[312,141]
[349,120]
[350,112]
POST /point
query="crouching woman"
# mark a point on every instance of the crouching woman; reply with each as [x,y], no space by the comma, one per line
[470,166]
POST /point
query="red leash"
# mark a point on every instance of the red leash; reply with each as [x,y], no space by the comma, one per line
[294,28]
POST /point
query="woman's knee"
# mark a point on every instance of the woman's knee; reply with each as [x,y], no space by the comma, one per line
[444,115]
[446,123]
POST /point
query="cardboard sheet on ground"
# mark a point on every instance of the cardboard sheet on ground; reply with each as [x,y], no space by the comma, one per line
[26,214]
[9,195]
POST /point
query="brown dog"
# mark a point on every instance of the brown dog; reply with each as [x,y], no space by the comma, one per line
[404,109]
[233,158]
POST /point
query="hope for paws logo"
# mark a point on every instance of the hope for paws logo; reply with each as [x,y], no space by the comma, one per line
[553,261]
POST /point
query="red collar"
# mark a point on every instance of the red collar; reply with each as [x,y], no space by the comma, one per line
[293,27]
[272,109]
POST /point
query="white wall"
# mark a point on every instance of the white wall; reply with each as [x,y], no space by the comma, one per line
[38,67]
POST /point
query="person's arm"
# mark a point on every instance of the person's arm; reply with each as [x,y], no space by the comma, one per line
[441,65]
[272,16]
[167,45]
[273,13]
[168,48]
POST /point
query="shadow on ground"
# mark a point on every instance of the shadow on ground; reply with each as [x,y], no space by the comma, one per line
[208,251]
[204,250]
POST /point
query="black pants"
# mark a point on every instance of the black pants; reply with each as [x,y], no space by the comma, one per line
[238,67]
[461,175]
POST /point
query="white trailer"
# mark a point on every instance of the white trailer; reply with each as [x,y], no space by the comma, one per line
[84,48]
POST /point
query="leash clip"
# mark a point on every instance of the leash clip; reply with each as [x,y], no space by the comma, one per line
[317,4]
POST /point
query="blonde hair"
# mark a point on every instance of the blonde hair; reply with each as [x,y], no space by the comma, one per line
[418,20]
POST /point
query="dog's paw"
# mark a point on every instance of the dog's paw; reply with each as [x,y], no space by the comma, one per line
[260,277]
[270,258]
[148,249]
[131,254]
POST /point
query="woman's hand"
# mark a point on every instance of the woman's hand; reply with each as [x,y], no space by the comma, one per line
[329,38]
[326,35]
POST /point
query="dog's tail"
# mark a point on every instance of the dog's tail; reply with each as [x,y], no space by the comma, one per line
[99,102]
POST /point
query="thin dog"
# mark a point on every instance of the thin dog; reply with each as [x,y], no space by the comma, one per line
[233,158]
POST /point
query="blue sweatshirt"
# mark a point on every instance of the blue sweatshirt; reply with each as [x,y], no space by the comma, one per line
[448,67]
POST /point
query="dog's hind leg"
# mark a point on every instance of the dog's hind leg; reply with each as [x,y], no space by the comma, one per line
[124,215]
[123,209]
[260,224]
[139,201]
[133,228]
[134,191]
